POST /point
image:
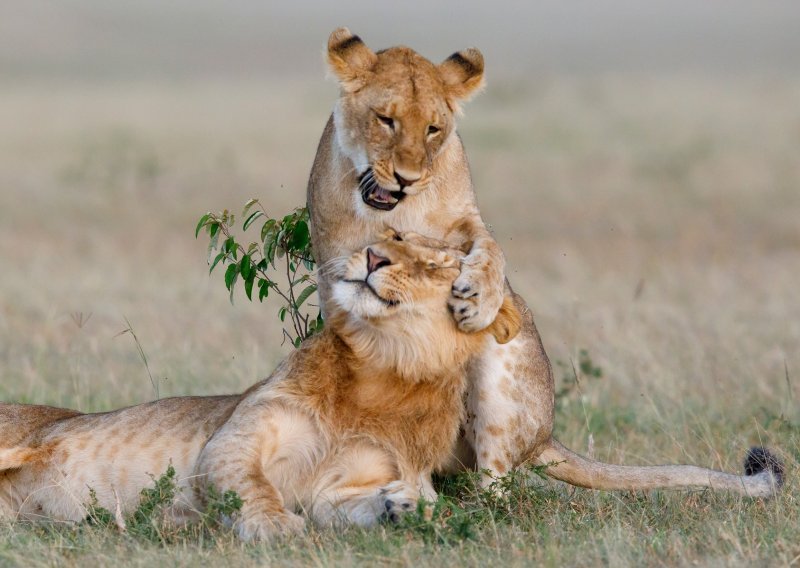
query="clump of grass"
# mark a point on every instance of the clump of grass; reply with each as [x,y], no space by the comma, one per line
[464,509]
[150,522]
[97,516]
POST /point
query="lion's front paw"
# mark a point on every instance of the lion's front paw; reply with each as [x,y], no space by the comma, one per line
[267,528]
[476,298]
[398,498]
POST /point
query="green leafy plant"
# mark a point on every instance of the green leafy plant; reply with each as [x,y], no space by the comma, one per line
[463,508]
[221,507]
[146,521]
[151,522]
[280,261]
[96,515]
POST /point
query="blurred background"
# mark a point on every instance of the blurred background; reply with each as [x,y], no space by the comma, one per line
[639,163]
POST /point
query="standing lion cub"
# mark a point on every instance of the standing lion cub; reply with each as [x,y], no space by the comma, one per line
[347,429]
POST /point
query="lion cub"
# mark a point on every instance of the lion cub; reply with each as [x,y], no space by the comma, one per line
[347,429]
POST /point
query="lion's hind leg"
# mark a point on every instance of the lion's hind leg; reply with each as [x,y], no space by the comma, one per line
[509,402]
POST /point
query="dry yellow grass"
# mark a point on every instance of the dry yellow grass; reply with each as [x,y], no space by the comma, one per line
[654,221]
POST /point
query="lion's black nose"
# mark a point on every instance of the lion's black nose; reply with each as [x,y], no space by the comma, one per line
[375,261]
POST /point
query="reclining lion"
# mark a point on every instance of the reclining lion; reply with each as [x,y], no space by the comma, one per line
[347,429]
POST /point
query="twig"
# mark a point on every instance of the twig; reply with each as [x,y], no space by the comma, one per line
[142,354]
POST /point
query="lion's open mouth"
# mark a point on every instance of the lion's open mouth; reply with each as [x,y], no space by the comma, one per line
[376,196]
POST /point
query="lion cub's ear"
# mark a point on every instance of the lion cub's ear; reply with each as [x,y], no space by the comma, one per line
[349,58]
[508,322]
[462,74]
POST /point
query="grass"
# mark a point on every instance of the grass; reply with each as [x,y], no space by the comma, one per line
[650,221]
[533,523]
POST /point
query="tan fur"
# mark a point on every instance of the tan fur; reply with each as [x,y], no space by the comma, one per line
[414,93]
[379,129]
[347,429]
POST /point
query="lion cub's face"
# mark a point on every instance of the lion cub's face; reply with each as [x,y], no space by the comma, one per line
[396,113]
[390,302]
[406,275]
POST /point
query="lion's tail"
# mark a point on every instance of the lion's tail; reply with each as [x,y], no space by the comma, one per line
[16,457]
[763,473]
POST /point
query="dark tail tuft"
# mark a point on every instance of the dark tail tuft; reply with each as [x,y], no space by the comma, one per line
[760,459]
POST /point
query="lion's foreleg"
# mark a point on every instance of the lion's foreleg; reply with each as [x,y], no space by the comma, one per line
[478,291]
[360,485]
[266,460]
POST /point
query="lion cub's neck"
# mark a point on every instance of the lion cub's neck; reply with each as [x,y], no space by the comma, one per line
[405,389]
[413,349]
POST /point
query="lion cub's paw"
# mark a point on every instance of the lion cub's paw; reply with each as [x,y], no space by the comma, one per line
[398,498]
[268,528]
[476,298]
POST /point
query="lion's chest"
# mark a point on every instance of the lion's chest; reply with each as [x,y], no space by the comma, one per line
[420,422]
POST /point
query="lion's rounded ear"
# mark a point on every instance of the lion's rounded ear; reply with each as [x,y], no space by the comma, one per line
[462,74]
[508,322]
[349,58]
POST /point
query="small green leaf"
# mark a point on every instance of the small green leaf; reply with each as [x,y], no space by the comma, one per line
[229,245]
[268,226]
[281,236]
[263,289]
[297,341]
[269,253]
[245,266]
[247,206]
[248,287]
[282,313]
[303,278]
[230,275]
[304,295]
[300,235]
[252,219]
[219,257]
[201,223]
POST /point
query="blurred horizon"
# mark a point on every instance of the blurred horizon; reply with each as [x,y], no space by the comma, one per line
[638,164]
[95,40]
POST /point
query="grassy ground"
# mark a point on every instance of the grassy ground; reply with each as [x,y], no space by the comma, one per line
[651,221]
